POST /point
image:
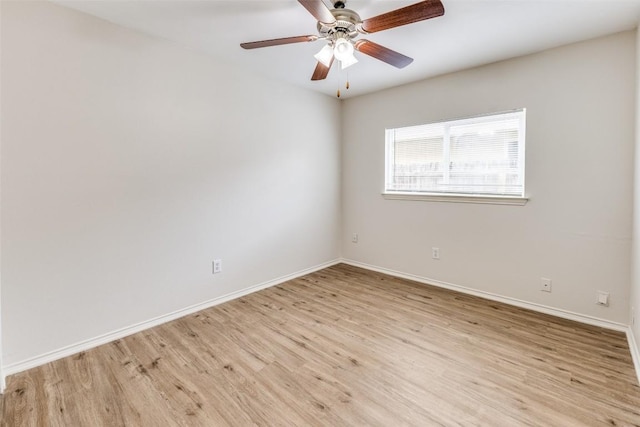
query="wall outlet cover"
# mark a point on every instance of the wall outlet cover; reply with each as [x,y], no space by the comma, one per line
[217,266]
[603,298]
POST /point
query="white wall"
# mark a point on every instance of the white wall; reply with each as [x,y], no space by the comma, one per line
[576,228]
[2,377]
[634,301]
[130,163]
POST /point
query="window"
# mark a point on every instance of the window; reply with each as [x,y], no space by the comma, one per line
[477,157]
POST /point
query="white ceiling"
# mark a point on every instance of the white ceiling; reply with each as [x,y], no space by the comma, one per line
[471,33]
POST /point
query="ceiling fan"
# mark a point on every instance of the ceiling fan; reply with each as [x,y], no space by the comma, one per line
[340,26]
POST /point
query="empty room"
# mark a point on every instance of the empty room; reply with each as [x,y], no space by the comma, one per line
[316,213]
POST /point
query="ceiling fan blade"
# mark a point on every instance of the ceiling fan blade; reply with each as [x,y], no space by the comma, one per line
[321,71]
[406,15]
[382,53]
[319,10]
[276,42]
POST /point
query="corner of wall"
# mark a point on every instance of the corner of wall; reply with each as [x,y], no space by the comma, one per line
[633,334]
[2,379]
[341,124]
[635,352]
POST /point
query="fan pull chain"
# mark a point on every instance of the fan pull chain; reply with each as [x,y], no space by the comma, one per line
[346,86]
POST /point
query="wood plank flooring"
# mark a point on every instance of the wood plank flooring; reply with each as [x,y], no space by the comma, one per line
[341,347]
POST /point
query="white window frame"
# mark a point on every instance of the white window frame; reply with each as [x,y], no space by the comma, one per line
[458,197]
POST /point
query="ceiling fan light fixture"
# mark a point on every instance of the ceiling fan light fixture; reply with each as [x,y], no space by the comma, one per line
[348,61]
[339,26]
[325,55]
[343,49]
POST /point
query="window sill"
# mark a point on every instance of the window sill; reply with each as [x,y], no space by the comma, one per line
[451,198]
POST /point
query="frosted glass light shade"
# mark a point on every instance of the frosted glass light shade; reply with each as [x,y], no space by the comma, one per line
[325,55]
[348,61]
[343,52]
[343,49]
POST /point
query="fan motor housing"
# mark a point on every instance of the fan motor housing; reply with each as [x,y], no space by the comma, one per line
[347,22]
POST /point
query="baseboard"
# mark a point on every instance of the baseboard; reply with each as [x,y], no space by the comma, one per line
[123,332]
[635,351]
[495,297]
[138,327]
[565,314]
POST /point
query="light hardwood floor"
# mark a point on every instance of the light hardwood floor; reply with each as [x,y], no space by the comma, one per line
[342,346]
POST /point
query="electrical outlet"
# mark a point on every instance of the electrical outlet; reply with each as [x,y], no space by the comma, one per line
[217,266]
[354,238]
[602,298]
[545,284]
[435,253]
